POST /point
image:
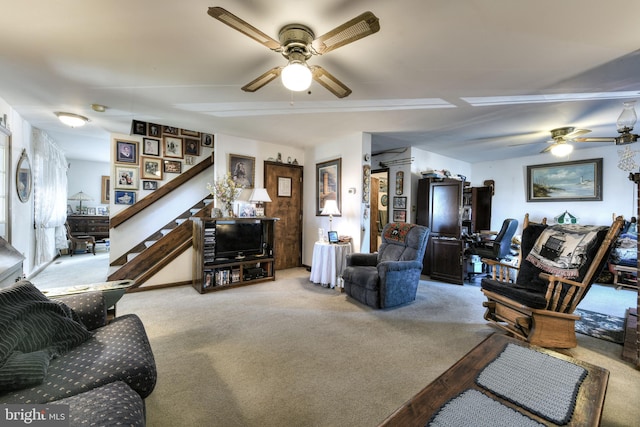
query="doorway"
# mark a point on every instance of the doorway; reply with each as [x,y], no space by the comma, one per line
[379,206]
[284,184]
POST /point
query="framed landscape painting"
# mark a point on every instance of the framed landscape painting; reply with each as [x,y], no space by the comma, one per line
[328,177]
[579,180]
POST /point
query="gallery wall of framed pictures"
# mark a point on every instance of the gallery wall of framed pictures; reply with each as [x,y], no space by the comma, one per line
[163,151]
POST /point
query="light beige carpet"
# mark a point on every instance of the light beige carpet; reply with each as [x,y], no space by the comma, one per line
[289,353]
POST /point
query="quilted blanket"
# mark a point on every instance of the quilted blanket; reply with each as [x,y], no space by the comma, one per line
[562,249]
[33,330]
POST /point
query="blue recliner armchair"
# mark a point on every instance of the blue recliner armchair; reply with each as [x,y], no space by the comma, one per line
[390,277]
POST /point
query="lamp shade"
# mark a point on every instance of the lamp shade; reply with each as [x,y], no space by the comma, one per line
[330,208]
[628,117]
[259,195]
[81,196]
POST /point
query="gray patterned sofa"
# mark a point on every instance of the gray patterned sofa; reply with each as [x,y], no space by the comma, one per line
[63,351]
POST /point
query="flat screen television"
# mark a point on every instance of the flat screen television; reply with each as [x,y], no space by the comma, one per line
[238,239]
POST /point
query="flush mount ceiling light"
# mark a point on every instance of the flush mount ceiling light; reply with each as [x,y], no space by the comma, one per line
[73,120]
[98,108]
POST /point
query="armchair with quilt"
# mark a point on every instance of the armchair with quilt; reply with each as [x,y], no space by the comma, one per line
[389,277]
[558,265]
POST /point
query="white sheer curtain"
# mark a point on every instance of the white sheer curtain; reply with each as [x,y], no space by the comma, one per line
[50,195]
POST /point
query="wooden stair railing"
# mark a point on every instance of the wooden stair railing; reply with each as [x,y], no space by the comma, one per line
[167,188]
[205,210]
[157,255]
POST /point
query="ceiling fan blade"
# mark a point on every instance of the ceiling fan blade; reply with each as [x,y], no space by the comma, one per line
[355,29]
[262,80]
[330,83]
[245,28]
[549,147]
[595,139]
[576,133]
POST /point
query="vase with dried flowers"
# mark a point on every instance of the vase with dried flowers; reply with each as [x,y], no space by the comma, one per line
[225,191]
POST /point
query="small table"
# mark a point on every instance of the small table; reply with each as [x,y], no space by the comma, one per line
[418,410]
[112,292]
[329,261]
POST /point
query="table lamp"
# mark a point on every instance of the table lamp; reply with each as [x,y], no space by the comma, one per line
[330,208]
[259,196]
[80,196]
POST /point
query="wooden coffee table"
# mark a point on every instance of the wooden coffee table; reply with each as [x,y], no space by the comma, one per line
[418,410]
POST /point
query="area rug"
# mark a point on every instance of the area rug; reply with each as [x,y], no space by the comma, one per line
[603,326]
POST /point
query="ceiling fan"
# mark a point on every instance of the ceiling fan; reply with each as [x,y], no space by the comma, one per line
[297,44]
[560,138]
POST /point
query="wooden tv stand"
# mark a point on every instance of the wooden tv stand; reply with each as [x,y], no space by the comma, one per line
[212,274]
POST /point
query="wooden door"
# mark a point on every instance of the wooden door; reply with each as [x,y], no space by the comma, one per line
[373,218]
[284,185]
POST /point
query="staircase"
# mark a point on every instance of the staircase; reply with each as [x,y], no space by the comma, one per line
[154,252]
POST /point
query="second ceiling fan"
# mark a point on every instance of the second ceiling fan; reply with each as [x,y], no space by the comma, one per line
[297,43]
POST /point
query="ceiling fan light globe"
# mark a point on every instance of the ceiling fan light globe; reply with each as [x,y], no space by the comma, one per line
[561,150]
[296,77]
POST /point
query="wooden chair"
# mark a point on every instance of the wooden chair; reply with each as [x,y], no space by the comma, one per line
[74,241]
[539,307]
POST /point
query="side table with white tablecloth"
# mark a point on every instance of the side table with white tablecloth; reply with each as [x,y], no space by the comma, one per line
[329,261]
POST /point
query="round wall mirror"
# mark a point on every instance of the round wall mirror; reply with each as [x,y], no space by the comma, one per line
[23,177]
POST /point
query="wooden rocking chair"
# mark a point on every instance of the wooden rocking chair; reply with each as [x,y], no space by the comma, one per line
[539,307]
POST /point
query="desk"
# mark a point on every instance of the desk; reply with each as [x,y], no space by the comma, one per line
[329,261]
[112,291]
[418,410]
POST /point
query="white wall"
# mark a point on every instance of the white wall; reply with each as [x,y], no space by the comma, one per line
[350,149]
[510,201]
[21,215]
[86,176]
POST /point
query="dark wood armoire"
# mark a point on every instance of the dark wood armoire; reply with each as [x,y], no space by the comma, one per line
[441,207]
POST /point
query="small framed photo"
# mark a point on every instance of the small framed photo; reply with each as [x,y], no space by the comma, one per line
[138,127]
[125,197]
[150,147]
[169,130]
[173,146]
[206,140]
[246,210]
[190,133]
[127,177]
[126,152]
[399,202]
[399,216]
[172,166]
[151,168]
[189,160]
[149,185]
[284,186]
[207,280]
[105,189]
[191,147]
[154,130]
[242,169]
[91,211]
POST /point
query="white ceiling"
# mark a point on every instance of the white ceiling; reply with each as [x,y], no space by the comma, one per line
[169,62]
